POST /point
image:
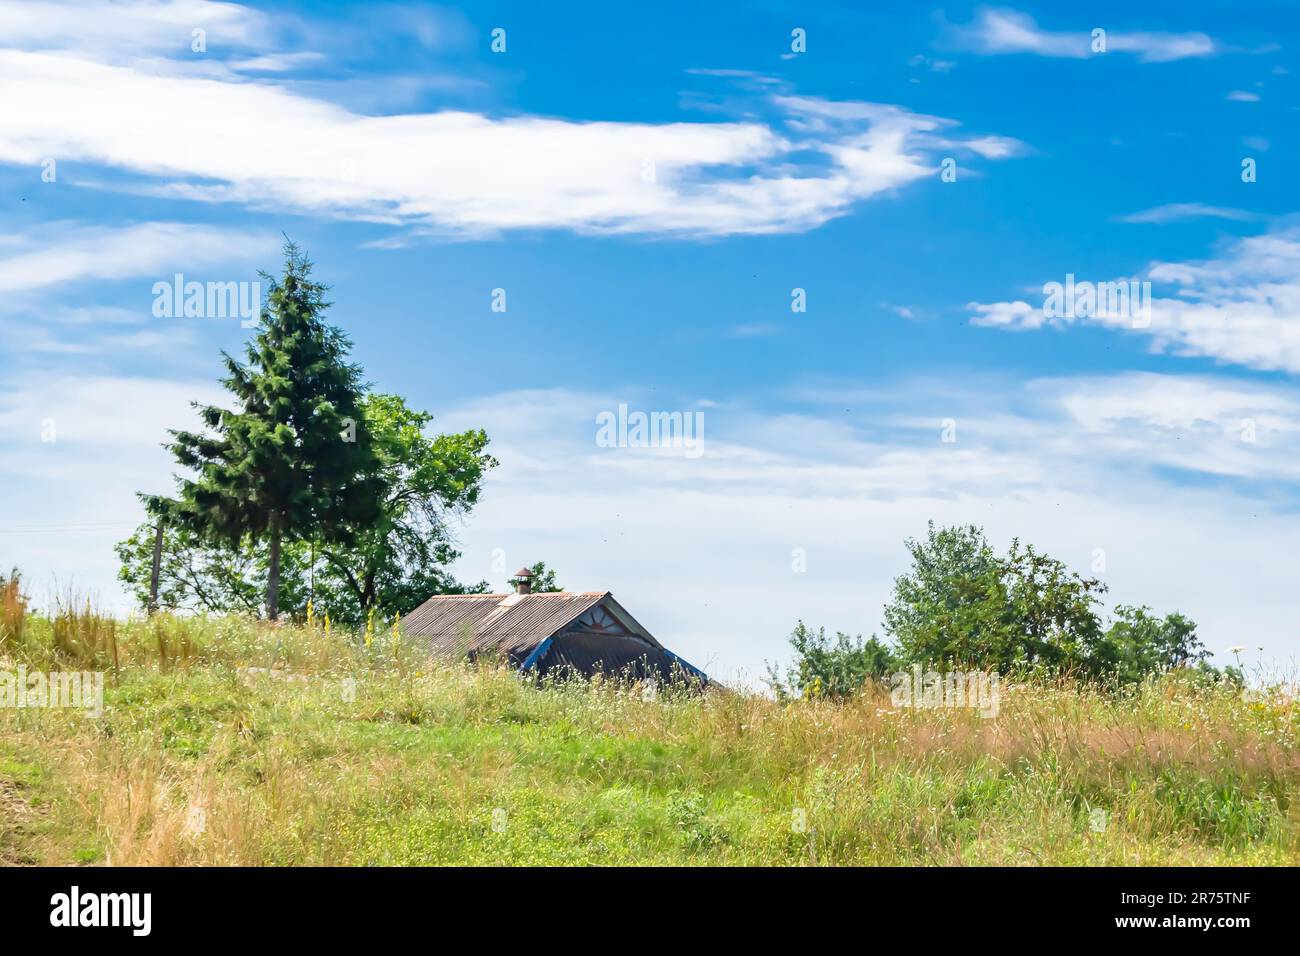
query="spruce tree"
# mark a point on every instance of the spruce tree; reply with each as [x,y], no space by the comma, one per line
[290,460]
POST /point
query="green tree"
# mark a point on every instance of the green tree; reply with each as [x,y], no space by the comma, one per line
[831,668]
[391,564]
[1051,610]
[1140,643]
[399,559]
[952,603]
[963,605]
[195,573]
[288,462]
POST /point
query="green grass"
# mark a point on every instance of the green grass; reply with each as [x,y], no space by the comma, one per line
[228,742]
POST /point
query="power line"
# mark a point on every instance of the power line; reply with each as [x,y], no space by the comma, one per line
[63,528]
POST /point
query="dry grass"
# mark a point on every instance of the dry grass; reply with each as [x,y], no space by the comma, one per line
[83,638]
[228,742]
[13,611]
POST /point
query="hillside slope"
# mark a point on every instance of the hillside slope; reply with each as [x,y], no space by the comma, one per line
[227,742]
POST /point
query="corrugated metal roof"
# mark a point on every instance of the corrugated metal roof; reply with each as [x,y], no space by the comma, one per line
[511,624]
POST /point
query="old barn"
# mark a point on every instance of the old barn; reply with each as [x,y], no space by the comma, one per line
[545,633]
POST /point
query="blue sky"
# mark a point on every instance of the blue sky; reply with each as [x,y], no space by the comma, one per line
[648,186]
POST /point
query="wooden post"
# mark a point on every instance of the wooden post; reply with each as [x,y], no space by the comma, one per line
[157,566]
[273,578]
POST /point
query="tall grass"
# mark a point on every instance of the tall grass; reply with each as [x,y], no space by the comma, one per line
[227,741]
[13,611]
[83,638]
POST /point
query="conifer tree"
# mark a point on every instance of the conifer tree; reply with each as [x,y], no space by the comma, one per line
[290,460]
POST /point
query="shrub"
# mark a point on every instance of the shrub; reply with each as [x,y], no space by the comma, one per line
[831,668]
[963,606]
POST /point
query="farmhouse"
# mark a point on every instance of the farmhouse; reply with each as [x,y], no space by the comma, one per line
[550,632]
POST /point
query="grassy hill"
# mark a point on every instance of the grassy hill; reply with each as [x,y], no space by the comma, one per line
[229,742]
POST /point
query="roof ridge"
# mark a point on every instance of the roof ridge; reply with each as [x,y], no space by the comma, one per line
[485,596]
[508,622]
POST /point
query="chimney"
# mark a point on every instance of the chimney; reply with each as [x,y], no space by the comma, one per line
[524,581]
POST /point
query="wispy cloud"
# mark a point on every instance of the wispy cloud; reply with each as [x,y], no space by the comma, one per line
[132,30]
[466,173]
[755,330]
[1017,316]
[50,279]
[1241,307]
[1180,211]
[1200,424]
[1002,31]
[153,249]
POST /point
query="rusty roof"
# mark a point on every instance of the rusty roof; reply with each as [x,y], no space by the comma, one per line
[501,623]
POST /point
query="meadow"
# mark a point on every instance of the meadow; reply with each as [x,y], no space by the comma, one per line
[228,741]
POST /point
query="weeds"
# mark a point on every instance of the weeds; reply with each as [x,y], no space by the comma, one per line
[13,612]
[82,638]
[226,741]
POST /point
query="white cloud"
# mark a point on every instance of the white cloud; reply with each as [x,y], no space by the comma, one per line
[1242,96]
[1012,316]
[133,29]
[34,264]
[934,66]
[66,254]
[1199,424]
[276,62]
[1000,31]
[754,330]
[1181,211]
[97,414]
[202,138]
[1242,307]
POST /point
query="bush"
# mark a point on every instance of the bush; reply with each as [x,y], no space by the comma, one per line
[1139,643]
[964,607]
[837,668]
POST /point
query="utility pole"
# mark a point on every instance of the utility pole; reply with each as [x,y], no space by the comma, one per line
[157,566]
